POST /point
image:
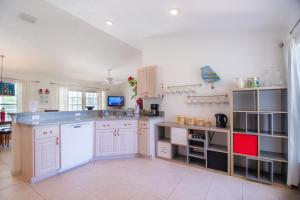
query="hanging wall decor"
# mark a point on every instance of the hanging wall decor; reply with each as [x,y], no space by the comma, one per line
[7,89]
[44,99]
[209,76]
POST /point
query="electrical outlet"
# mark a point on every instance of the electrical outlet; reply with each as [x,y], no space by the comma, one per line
[77,114]
[35,117]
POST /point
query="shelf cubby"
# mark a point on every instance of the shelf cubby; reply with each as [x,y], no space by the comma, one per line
[197,152]
[179,153]
[239,122]
[265,123]
[251,168]
[217,142]
[222,158]
[239,165]
[274,148]
[164,134]
[245,100]
[196,144]
[274,100]
[280,124]
[198,162]
[280,172]
[252,123]
[266,171]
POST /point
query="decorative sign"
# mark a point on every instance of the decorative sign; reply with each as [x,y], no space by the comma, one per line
[44,97]
[209,76]
[7,89]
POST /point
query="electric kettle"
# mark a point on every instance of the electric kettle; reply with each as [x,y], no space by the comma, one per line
[221,120]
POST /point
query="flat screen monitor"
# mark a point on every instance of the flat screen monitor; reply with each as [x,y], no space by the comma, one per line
[115,101]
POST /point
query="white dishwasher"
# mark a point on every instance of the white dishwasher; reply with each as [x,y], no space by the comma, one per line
[76,144]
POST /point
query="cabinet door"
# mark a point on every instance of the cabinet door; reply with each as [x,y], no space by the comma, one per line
[141,78]
[105,144]
[46,155]
[126,141]
[143,141]
[151,90]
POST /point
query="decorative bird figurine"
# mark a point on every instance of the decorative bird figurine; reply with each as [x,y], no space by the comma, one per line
[209,76]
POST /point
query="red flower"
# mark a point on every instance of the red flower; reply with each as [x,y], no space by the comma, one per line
[130,78]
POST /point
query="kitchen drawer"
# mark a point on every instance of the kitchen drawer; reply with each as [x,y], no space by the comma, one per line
[128,123]
[179,136]
[164,150]
[44,132]
[116,124]
[245,144]
[143,124]
[106,124]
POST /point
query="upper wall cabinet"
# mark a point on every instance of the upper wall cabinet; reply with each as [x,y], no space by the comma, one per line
[147,82]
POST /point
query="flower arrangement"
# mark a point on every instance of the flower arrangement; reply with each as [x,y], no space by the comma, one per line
[133,84]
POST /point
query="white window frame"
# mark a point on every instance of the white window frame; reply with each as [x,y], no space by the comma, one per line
[84,100]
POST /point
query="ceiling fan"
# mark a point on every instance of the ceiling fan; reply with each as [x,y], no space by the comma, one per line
[109,80]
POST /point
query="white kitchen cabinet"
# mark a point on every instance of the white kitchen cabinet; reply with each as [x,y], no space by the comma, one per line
[147,82]
[105,142]
[40,152]
[146,136]
[127,141]
[120,140]
[143,147]
[46,155]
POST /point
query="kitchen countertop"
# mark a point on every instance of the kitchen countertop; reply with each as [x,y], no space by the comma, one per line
[36,123]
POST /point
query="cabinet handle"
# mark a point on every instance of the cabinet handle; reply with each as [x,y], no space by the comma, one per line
[56,140]
[118,132]
[45,132]
[114,132]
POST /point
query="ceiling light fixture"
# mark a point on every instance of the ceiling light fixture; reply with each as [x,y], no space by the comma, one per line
[109,23]
[174,11]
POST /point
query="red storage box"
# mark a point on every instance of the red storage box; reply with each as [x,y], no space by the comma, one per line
[245,144]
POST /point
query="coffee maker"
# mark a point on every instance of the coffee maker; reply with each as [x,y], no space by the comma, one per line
[221,120]
[154,109]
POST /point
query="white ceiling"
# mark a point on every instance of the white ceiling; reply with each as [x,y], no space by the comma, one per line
[59,44]
[137,19]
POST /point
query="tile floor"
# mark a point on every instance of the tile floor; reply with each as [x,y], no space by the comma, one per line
[137,179]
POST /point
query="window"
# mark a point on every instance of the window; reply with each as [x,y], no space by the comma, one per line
[78,100]
[91,99]
[75,100]
[9,103]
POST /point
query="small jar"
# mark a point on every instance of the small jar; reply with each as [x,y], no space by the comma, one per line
[180,119]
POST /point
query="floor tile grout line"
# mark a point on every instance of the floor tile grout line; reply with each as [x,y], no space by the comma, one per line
[208,189]
[34,190]
[176,186]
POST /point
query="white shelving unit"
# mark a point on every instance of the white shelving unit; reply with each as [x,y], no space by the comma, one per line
[260,134]
[200,146]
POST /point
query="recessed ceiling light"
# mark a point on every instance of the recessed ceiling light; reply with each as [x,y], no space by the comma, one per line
[174,11]
[109,23]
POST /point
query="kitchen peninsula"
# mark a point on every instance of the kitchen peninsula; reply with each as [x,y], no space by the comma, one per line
[46,144]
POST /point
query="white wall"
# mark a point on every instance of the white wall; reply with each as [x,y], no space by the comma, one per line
[231,55]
